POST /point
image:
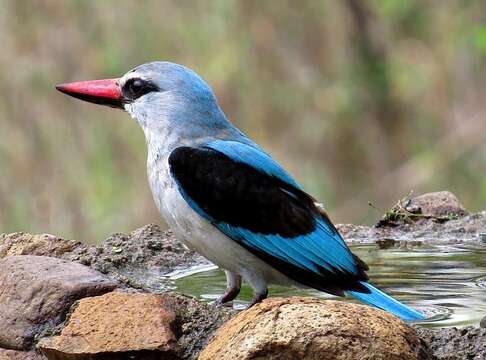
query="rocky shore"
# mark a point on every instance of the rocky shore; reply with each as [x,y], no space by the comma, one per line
[63,299]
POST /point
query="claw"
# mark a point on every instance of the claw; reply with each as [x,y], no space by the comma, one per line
[259,297]
[228,296]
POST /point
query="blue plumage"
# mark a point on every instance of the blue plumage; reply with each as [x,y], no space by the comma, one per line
[378,298]
[313,258]
[305,251]
[243,205]
[253,156]
[324,246]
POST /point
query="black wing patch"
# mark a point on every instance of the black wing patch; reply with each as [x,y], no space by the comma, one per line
[236,193]
[240,195]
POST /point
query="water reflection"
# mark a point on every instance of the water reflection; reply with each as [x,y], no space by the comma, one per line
[447,283]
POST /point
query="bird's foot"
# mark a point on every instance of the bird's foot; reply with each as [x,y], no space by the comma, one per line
[229,295]
[233,288]
[259,297]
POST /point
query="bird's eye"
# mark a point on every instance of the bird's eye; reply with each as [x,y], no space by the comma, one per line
[134,88]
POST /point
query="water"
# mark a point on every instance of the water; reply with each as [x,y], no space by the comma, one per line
[447,283]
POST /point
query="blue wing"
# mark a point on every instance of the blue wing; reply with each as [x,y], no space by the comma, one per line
[249,197]
[252,156]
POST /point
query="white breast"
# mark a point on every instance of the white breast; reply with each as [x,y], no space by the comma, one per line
[199,234]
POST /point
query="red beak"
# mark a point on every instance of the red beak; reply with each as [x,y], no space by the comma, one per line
[103,92]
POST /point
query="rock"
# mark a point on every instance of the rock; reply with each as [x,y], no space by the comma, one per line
[464,230]
[121,325]
[483,323]
[386,243]
[455,344]
[198,322]
[307,328]
[20,355]
[36,293]
[437,204]
[139,260]
[142,259]
[22,243]
[118,324]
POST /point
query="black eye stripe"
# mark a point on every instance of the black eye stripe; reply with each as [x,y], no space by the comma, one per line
[136,87]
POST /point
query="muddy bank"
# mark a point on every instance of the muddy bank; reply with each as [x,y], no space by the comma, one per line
[139,260]
[430,219]
[134,259]
[144,259]
[470,229]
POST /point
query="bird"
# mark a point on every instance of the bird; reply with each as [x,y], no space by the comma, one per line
[225,197]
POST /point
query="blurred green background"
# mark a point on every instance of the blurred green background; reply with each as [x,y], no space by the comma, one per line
[362,100]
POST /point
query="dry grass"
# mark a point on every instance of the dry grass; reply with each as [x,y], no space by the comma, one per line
[361,100]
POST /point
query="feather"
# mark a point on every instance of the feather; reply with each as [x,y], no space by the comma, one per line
[251,199]
[244,193]
[383,301]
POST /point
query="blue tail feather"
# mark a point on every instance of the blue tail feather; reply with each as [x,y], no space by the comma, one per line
[383,301]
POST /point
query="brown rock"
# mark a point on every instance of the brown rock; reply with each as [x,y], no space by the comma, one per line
[115,326]
[306,328]
[21,243]
[36,293]
[19,355]
[438,204]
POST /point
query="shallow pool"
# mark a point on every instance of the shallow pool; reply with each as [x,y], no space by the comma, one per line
[447,283]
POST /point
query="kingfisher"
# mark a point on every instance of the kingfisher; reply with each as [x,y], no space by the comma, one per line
[225,197]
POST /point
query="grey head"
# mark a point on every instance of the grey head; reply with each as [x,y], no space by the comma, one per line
[173,105]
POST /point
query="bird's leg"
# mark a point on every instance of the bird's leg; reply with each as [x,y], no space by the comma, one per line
[259,286]
[257,298]
[233,287]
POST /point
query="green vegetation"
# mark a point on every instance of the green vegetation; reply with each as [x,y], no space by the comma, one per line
[362,100]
